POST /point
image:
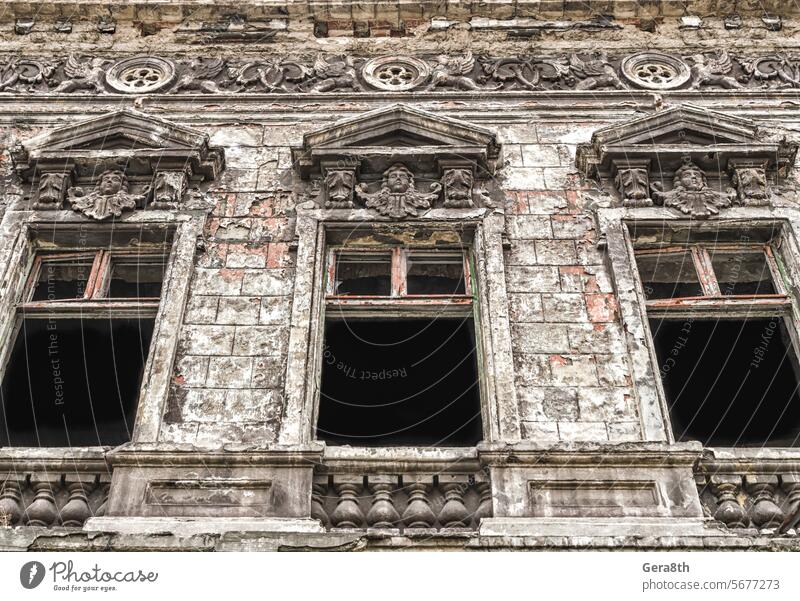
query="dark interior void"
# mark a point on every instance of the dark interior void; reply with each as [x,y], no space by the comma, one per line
[73,382]
[137,279]
[729,383]
[400,382]
[435,274]
[363,275]
[669,275]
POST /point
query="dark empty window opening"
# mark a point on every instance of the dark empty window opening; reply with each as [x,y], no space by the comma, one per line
[84,326]
[73,382]
[400,382]
[728,382]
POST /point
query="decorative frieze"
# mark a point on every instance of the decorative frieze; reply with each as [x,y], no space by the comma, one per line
[700,70]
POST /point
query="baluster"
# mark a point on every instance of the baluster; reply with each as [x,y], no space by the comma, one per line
[729,510]
[76,510]
[454,513]
[347,513]
[485,505]
[318,503]
[10,503]
[418,513]
[42,511]
[764,513]
[382,514]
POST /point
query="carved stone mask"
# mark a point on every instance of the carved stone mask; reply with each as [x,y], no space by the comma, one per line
[459,184]
[340,185]
[111,182]
[398,178]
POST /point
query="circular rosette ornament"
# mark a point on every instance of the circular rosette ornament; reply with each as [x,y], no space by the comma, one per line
[140,75]
[395,73]
[655,71]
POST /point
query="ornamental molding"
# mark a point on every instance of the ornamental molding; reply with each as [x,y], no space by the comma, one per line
[693,160]
[118,162]
[398,162]
[649,70]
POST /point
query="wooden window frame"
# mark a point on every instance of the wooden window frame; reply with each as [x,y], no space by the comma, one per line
[95,302]
[399,296]
[713,303]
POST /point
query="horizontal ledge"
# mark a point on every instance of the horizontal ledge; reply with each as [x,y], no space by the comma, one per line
[168,455]
[398,460]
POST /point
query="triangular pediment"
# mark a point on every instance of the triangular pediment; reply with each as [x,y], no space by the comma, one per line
[677,132]
[397,129]
[123,129]
[126,134]
[685,124]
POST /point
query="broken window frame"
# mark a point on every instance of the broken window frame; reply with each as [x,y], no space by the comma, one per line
[713,302]
[399,277]
[95,297]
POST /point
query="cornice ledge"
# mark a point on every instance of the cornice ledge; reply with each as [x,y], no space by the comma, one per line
[579,454]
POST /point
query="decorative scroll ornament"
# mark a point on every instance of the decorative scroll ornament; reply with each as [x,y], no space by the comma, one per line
[690,193]
[83,75]
[632,182]
[398,197]
[750,180]
[458,188]
[109,198]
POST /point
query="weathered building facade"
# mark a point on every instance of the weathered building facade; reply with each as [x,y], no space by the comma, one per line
[347,275]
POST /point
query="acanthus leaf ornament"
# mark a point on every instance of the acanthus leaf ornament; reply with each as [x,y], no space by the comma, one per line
[398,197]
[109,198]
[691,194]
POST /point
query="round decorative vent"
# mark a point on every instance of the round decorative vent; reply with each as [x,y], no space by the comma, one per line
[140,74]
[655,71]
[395,73]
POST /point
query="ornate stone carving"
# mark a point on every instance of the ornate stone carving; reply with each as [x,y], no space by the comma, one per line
[594,72]
[714,71]
[339,187]
[109,198]
[23,75]
[580,71]
[458,187]
[198,75]
[395,73]
[336,73]
[750,180]
[690,193]
[83,75]
[455,71]
[168,189]
[655,71]
[633,183]
[484,509]
[140,74]
[52,189]
[398,197]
